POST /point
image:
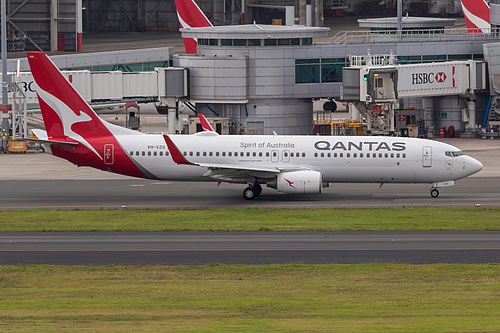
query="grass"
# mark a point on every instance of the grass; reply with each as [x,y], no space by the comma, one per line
[252,219]
[267,298]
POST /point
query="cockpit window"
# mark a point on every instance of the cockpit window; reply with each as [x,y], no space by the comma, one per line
[454,153]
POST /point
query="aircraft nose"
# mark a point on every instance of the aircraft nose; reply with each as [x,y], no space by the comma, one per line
[474,165]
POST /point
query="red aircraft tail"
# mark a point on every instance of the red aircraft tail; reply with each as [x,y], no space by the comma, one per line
[190,16]
[477,16]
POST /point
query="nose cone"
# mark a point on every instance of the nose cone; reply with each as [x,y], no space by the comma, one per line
[473,166]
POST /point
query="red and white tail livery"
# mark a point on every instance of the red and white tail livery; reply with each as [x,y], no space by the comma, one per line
[205,125]
[290,164]
[190,16]
[477,16]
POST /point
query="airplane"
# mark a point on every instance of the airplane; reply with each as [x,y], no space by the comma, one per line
[290,164]
[190,16]
[477,16]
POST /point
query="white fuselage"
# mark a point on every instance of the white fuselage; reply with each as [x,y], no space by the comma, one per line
[338,159]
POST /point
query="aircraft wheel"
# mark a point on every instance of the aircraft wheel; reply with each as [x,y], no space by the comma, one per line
[249,193]
[257,189]
[434,193]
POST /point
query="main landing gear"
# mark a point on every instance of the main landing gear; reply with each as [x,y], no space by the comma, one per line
[251,192]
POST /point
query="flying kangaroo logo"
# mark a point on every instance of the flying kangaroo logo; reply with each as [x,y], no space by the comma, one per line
[290,183]
[440,77]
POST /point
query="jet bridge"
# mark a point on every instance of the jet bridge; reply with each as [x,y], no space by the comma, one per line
[375,84]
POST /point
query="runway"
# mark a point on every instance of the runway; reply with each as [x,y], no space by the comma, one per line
[198,248]
[137,193]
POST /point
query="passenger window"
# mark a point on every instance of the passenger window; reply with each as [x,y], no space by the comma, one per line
[341,154]
[149,153]
[223,153]
[322,154]
[334,154]
[143,153]
[386,155]
[404,155]
[197,153]
[204,153]
[354,155]
[380,155]
[315,154]
[161,153]
[190,153]
[167,153]
[185,153]
[348,154]
[229,154]
[260,154]
[367,154]
[360,154]
[329,155]
[216,153]
[303,154]
[398,155]
[210,154]
[131,153]
[267,154]
[155,153]
[254,154]
[248,153]
[392,155]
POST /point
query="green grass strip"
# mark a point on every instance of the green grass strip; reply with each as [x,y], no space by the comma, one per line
[239,298]
[252,219]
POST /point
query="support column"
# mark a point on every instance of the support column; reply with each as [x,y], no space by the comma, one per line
[471,106]
[79,25]
[53,25]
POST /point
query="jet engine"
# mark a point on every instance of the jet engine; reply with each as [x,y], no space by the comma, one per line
[300,182]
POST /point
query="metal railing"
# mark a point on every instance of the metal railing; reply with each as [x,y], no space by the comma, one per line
[423,35]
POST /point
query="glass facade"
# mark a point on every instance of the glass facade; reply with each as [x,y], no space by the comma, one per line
[323,70]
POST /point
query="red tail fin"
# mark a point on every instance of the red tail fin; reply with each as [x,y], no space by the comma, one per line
[477,15]
[205,124]
[65,113]
[190,16]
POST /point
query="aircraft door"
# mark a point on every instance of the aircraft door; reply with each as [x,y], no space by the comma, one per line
[275,156]
[109,154]
[426,157]
[286,156]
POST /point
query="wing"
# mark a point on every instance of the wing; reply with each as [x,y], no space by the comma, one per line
[41,137]
[227,172]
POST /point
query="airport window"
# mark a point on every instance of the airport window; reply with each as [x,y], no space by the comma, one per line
[307,41]
[226,42]
[284,41]
[331,69]
[213,42]
[239,42]
[270,42]
[254,42]
[295,41]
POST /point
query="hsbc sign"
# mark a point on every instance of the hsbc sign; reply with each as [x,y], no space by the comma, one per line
[428,76]
[424,78]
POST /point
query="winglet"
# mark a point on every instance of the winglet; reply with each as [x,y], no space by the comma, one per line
[175,152]
[205,125]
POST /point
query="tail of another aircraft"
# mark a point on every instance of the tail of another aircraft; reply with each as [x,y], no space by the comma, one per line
[190,16]
[477,15]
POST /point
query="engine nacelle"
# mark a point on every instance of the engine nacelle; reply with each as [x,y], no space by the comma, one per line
[300,182]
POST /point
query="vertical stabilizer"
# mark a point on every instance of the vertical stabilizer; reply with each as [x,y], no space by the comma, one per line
[477,16]
[190,16]
[65,113]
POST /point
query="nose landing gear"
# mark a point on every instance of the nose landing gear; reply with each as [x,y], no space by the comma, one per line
[434,192]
